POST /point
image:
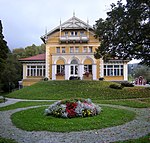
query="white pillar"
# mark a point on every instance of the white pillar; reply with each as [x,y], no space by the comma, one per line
[125,71]
[94,71]
[81,71]
[67,75]
[101,68]
[47,63]
[24,71]
[53,72]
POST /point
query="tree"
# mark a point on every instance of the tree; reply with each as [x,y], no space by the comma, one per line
[142,70]
[125,31]
[3,51]
[12,73]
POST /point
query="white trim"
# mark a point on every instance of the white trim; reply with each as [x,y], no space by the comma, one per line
[125,71]
[67,71]
[94,71]
[101,68]
[53,72]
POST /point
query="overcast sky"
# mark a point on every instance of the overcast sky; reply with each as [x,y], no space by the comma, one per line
[24,21]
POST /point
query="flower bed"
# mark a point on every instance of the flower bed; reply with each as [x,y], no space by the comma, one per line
[73,108]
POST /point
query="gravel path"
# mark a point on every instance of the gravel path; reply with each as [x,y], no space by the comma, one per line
[139,127]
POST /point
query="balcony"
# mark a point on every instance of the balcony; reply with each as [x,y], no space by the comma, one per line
[74,39]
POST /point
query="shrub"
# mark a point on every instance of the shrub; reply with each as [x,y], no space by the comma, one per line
[101,78]
[45,79]
[115,86]
[127,84]
[74,78]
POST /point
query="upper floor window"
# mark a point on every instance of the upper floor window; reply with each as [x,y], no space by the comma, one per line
[71,49]
[66,33]
[90,49]
[77,49]
[58,49]
[84,49]
[74,33]
[63,50]
[81,33]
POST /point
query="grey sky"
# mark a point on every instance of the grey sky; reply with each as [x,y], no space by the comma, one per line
[24,21]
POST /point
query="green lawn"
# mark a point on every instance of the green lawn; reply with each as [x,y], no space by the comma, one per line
[4,140]
[34,119]
[136,103]
[145,139]
[24,104]
[97,90]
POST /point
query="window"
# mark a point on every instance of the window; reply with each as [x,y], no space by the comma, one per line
[84,49]
[81,33]
[60,69]
[66,33]
[36,70]
[77,49]
[113,70]
[63,50]
[58,49]
[90,49]
[74,33]
[71,49]
[88,68]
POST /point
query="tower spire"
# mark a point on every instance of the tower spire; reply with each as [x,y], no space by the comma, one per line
[73,13]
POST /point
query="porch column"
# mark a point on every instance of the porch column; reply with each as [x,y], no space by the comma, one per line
[53,72]
[101,68]
[67,75]
[125,71]
[94,71]
[24,71]
[81,71]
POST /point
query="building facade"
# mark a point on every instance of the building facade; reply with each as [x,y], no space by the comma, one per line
[69,54]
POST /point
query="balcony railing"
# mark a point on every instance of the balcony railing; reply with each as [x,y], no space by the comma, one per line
[74,39]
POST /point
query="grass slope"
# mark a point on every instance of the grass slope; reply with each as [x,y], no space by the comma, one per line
[33,119]
[98,90]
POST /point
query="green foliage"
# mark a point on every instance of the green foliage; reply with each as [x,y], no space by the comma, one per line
[23,104]
[11,74]
[3,51]
[116,86]
[142,70]
[33,119]
[145,139]
[97,90]
[4,140]
[29,51]
[125,32]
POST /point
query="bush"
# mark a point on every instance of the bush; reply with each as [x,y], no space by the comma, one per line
[101,78]
[127,84]
[45,79]
[74,78]
[116,86]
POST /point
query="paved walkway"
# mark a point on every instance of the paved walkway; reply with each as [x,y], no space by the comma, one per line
[139,127]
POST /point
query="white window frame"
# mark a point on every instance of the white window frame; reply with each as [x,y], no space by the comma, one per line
[113,70]
[35,71]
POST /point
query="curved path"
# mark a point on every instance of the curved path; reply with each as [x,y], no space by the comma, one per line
[139,127]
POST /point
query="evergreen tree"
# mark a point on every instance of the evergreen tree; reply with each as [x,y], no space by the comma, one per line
[4,50]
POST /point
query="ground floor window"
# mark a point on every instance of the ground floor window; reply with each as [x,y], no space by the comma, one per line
[36,70]
[88,69]
[113,70]
[60,70]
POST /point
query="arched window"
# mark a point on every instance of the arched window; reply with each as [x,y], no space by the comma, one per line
[74,61]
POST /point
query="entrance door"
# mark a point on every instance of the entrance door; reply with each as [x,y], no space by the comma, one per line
[74,70]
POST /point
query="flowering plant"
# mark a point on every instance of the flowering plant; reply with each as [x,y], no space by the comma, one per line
[87,74]
[73,108]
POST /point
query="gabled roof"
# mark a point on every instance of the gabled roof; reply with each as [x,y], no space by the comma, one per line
[72,23]
[40,57]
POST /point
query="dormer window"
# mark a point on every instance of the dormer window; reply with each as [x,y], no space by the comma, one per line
[66,33]
[81,33]
[74,33]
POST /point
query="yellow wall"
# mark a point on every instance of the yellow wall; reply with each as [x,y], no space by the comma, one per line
[113,78]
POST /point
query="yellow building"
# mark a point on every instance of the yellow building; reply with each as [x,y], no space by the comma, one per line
[70,54]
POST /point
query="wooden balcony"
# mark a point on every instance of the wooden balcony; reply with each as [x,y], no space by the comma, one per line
[74,39]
